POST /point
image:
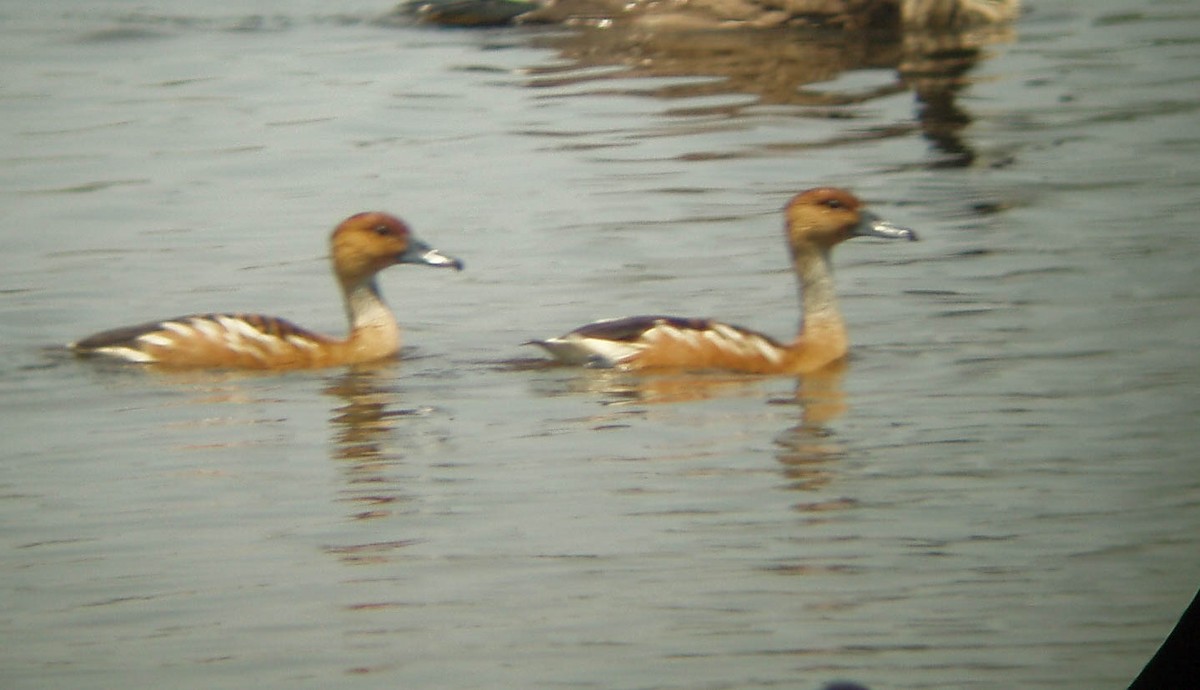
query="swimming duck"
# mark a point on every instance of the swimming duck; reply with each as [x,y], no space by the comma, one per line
[851,15]
[361,246]
[817,220]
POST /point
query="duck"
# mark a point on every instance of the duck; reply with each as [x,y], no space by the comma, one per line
[360,247]
[816,221]
[861,15]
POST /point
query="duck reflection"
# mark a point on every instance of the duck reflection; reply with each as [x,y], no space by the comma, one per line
[808,450]
[361,424]
[805,450]
[772,65]
[622,388]
[363,430]
[936,66]
[782,67]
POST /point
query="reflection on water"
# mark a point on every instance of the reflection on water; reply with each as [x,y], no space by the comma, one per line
[363,422]
[1017,424]
[772,65]
[625,388]
[778,67]
[361,425]
[809,450]
[936,66]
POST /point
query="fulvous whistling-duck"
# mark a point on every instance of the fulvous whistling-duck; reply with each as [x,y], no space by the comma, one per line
[816,220]
[361,246]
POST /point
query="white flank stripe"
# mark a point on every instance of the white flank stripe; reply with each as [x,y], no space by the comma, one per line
[241,328]
[662,330]
[721,340]
[247,330]
[176,327]
[772,353]
[238,344]
[728,331]
[302,342]
[686,336]
[208,329]
[128,354]
[573,349]
[236,326]
[564,350]
[156,339]
[610,351]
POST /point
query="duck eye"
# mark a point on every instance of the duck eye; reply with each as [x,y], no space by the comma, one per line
[382,230]
[834,203]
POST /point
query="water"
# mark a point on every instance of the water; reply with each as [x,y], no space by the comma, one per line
[998,491]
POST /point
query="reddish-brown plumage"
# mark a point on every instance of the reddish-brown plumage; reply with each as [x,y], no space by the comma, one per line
[361,246]
[816,221]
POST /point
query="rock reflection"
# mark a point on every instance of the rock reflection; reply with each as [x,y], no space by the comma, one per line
[777,67]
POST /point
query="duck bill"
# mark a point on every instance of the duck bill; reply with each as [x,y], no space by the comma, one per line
[420,253]
[872,225]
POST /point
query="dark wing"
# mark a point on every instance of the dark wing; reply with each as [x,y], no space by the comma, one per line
[125,336]
[631,328]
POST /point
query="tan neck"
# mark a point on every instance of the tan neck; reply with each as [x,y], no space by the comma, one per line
[822,338]
[374,332]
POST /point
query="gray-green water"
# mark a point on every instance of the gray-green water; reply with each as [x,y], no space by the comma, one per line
[1000,491]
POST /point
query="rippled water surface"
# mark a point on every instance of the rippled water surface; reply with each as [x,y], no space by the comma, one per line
[1000,489]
